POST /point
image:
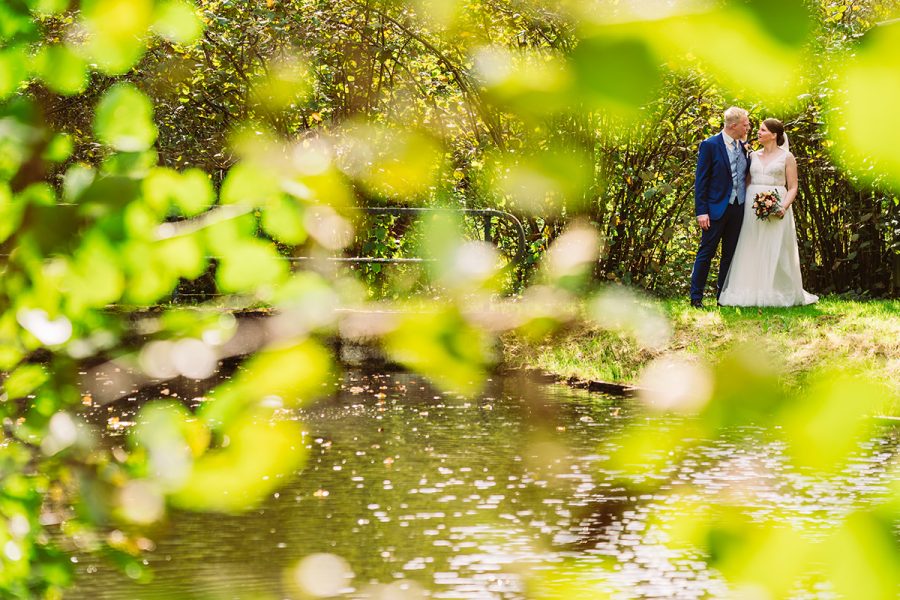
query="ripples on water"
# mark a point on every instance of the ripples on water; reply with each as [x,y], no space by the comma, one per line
[460,499]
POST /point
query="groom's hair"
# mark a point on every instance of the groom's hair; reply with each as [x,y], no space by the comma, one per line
[734,114]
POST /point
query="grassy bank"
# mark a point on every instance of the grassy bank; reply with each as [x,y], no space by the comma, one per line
[859,336]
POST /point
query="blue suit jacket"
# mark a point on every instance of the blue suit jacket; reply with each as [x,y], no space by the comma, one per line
[712,182]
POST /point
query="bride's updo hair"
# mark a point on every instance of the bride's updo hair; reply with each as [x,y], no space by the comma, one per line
[776,127]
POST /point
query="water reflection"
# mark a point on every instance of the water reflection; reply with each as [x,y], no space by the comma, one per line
[425,494]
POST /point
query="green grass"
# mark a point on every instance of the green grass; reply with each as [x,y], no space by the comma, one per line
[857,336]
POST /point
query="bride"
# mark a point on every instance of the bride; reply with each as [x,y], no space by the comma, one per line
[766,266]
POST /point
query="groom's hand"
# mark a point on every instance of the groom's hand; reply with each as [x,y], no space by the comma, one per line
[703,221]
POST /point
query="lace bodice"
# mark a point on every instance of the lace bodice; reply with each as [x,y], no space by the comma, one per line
[770,173]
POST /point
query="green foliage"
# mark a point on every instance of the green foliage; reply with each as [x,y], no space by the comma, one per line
[127,161]
[124,119]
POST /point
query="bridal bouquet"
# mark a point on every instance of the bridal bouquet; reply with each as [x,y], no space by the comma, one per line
[766,203]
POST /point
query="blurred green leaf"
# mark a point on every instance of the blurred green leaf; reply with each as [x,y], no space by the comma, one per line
[861,558]
[282,218]
[12,70]
[573,580]
[247,183]
[147,282]
[196,192]
[60,148]
[825,429]
[134,165]
[543,181]
[746,388]
[249,264]
[10,213]
[48,7]
[532,84]
[857,124]
[159,188]
[284,83]
[61,69]
[287,375]
[184,255]
[787,21]
[393,162]
[257,458]
[444,347]
[11,352]
[76,180]
[177,21]
[172,438]
[95,278]
[24,380]
[124,119]
[116,32]
[617,74]
[190,191]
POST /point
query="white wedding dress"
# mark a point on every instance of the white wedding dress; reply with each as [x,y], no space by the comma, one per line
[765,270]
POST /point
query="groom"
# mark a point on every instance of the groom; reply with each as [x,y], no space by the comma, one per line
[719,186]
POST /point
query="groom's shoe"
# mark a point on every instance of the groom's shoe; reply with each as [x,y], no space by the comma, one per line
[697,303]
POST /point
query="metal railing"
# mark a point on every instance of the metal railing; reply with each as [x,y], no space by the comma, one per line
[487,227]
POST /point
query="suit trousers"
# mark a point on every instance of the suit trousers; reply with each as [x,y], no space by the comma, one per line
[725,230]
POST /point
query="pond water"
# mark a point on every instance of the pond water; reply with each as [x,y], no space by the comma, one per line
[426,494]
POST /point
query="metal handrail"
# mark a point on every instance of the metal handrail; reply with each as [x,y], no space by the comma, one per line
[486,213]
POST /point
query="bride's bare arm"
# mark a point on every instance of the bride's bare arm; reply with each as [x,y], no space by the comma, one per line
[790,176]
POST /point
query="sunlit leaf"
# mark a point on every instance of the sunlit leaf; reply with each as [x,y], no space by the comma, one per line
[172,437]
[24,380]
[542,181]
[191,191]
[62,69]
[184,255]
[147,280]
[573,580]
[286,375]
[616,74]
[12,70]
[177,21]
[282,218]
[95,278]
[195,192]
[247,183]
[160,187]
[825,429]
[396,163]
[533,84]
[48,7]
[868,85]
[248,265]
[444,347]
[862,557]
[10,213]
[259,455]
[116,32]
[284,83]
[124,119]
[60,148]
